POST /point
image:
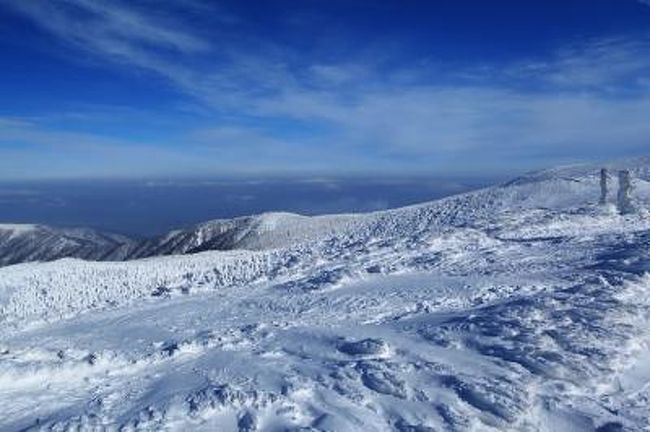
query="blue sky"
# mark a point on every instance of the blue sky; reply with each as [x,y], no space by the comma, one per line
[142,88]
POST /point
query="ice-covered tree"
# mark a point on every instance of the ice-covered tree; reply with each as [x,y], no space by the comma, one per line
[603,185]
[624,198]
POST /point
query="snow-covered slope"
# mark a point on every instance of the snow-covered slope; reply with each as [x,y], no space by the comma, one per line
[553,188]
[522,307]
[265,231]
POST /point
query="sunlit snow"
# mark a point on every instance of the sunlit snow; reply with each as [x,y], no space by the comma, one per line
[519,307]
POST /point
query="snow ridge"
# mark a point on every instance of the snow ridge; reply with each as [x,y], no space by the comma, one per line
[554,188]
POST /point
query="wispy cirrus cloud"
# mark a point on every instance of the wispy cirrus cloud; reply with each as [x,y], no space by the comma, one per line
[117,31]
[109,26]
[30,151]
[589,97]
[611,64]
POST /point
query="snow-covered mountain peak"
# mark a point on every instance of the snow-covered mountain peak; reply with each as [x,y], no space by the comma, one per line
[17,229]
[639,168]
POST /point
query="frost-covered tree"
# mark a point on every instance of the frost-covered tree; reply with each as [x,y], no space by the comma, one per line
[624,198]
[603,185]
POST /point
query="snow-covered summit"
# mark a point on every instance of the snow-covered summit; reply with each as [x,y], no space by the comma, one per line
[18,228]
[638,167]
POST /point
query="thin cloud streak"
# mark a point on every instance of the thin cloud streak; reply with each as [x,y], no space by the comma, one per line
[580,100]
[117,33]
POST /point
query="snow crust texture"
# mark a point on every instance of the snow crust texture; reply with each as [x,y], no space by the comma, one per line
[522,307]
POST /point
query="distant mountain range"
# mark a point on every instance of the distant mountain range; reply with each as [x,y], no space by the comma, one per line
[21,243]
[27,243]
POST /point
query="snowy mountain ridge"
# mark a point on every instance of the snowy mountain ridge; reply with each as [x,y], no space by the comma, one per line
[24,243]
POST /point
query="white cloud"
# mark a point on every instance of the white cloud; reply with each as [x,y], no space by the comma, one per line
[603,64]
[436,126]
[108,26]
[589,98]
[29,150]
[116,31]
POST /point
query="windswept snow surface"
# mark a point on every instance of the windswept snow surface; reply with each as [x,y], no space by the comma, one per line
[523,307]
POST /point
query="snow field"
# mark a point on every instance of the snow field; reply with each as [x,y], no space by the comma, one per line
[521,308]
